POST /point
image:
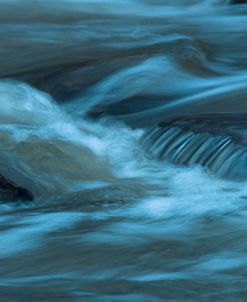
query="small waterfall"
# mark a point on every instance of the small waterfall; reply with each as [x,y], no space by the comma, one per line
[217,142]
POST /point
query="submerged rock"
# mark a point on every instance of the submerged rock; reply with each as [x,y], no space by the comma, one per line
[217,142]
[10,192]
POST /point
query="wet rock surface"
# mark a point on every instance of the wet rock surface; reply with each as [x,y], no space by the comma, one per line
[11,192]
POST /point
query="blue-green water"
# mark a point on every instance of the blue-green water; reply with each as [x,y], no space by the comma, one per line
[80,82]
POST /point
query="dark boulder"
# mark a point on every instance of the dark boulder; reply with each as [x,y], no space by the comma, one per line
[11,192]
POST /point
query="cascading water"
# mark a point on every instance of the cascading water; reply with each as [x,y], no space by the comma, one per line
[84,84]
[217,142]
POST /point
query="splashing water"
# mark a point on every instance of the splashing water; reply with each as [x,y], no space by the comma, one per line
[80,82]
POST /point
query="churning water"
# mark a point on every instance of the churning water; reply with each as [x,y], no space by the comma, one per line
[81,81]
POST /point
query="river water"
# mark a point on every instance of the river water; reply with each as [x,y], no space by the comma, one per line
[81,80]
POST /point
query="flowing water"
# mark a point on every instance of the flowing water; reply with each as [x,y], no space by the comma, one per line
[81,80]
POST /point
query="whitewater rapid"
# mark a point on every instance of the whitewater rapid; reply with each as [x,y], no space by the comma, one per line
[81,82]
